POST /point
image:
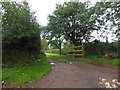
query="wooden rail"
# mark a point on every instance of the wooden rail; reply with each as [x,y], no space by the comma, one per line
[77,51]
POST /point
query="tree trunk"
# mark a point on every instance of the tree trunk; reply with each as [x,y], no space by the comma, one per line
[119,48]
[60,47]
[60,51]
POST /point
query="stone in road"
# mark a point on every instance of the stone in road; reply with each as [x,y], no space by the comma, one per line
[75,75]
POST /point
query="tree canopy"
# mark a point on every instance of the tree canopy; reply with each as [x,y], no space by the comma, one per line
[18,23]
[77,20]
[20,30]
[73,19]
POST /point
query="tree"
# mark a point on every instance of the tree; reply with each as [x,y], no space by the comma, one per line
[109,18]
[19,24]
[53,33]
[75,20]
[44,44]
[20,30]
[56,39]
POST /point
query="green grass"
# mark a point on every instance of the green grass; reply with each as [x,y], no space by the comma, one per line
[90,58]
[1,73]
[58,57]
[24,75]
[57,51]
[52,51]
[54,55]
[101,60]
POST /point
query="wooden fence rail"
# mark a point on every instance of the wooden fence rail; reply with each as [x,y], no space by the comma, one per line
[77,51]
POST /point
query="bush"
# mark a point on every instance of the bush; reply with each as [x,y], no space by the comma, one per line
[18,57]
[20,33]
[100,48]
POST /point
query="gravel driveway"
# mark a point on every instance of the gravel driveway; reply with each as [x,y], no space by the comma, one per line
[76,75]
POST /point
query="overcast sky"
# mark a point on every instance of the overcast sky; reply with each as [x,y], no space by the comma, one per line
[45,7]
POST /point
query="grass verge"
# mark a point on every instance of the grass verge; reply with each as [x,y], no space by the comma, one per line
[114,62]
[90,58]
[54,55]
[20,76]
[58,57]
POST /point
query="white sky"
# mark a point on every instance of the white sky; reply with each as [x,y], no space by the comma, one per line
[45,7]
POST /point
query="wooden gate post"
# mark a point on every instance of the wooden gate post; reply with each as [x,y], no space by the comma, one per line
[83,50]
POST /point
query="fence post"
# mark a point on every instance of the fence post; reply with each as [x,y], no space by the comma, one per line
[83,50]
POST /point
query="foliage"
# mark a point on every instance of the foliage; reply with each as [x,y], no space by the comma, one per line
[16,57]
[56,51]
[44,44]
[100,48]
[108,17]
[67,46]
[55,39]
[18,22]
[19,29]
[74,20]
[23,75]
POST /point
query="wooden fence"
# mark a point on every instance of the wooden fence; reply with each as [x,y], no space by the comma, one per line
[77,51]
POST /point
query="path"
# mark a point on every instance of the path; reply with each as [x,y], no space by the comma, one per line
[75,75]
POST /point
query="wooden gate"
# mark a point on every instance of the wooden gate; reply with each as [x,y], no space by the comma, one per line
[77,51]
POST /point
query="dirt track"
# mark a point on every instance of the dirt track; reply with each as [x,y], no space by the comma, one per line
[75,75]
